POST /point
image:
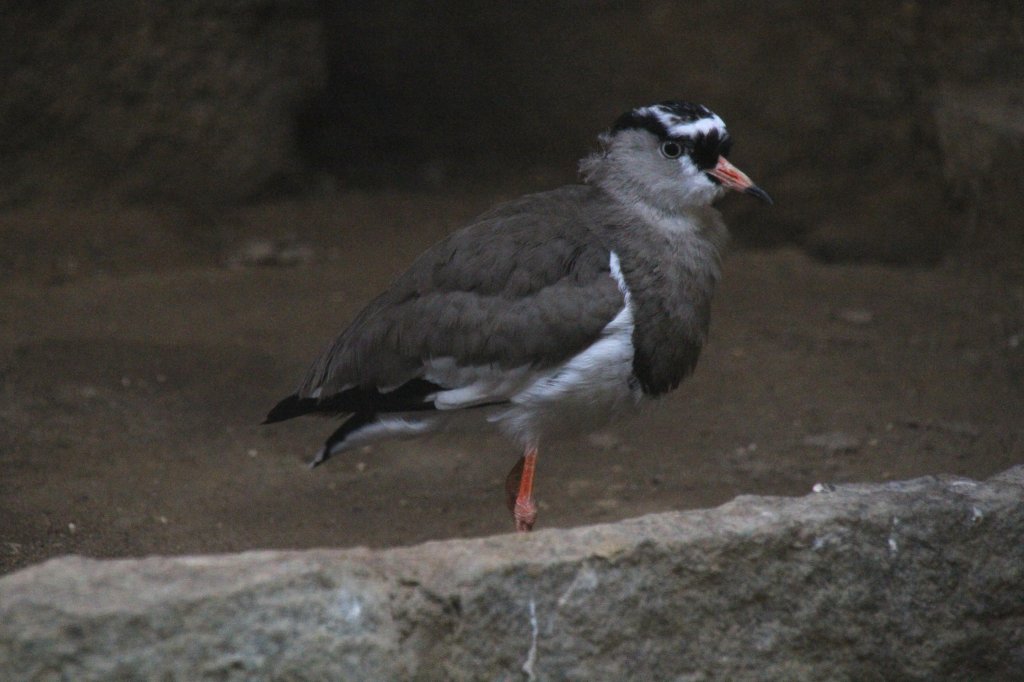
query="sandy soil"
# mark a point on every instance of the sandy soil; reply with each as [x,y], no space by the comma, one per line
[135,378]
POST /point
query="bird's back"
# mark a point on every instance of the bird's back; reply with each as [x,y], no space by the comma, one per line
[526,284]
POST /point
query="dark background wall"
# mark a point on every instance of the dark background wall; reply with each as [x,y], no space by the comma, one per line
[885,130]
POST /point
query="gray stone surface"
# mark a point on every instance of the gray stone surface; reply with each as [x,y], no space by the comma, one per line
[922,579]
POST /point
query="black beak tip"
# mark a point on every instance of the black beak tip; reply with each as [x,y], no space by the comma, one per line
[756,191]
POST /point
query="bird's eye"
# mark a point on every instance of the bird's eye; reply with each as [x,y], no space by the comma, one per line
[671,150]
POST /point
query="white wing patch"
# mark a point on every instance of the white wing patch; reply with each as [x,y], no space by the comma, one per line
[475,385]
[616,268]
[583,392]
[590,371]
[589,388]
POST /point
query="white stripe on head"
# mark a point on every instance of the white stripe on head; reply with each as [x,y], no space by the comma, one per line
[677,127]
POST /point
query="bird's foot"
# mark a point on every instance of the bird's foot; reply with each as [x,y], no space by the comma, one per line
[525,514]
[519,491]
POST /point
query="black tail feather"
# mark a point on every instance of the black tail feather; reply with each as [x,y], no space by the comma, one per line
[350,425]
[409,397]
[290,407]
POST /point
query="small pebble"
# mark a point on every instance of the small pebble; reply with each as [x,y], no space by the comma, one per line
[263,252]
[857,316]
[834,442]
[603,440]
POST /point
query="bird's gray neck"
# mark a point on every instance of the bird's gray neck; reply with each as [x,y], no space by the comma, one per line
[662,250]
[659,207]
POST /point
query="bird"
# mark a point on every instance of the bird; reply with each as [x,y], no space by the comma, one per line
[550,314]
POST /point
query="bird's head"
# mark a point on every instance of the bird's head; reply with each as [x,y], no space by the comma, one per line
[669,155]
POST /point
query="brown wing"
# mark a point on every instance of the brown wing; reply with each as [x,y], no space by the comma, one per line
[526,285]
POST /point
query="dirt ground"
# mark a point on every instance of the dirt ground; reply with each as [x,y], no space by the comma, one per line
[139,351]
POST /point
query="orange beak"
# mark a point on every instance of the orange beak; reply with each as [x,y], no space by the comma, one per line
[732,177]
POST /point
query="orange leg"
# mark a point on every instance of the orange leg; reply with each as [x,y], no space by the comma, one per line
[519,490]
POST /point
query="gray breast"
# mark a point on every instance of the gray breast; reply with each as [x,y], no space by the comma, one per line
[671,276]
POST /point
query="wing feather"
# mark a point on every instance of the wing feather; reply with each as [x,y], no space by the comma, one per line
[527,285]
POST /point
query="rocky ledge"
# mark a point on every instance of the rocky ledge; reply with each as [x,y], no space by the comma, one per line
[921,579]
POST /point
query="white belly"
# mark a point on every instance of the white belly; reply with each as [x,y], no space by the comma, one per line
[580,395]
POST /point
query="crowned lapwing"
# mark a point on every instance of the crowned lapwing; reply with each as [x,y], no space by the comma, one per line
[551,313]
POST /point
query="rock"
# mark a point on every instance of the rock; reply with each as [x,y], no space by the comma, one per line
[921,579]
[189,102]
[258,252]
[847,116]
[604,440]
[856,316]
[981,135]
[904,223]
[834,442]
[958,429]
